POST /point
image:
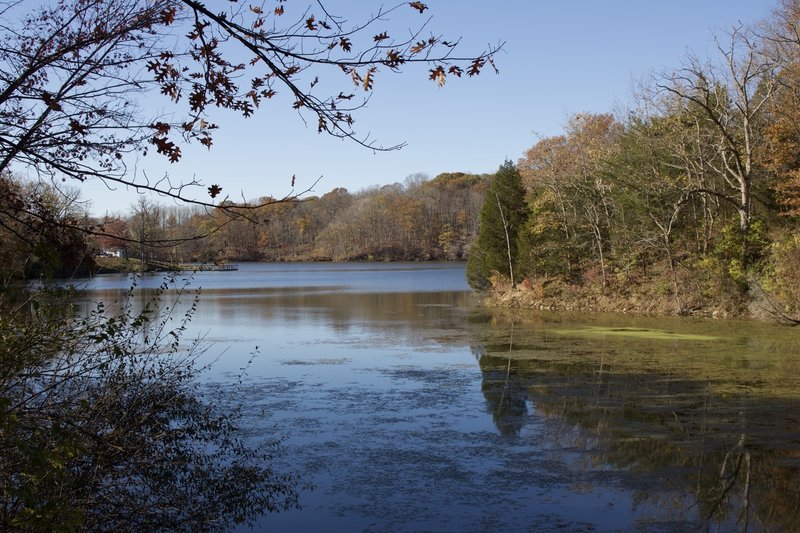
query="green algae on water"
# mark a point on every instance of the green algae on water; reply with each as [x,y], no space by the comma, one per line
[637,333]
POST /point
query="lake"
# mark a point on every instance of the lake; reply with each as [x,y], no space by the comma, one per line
[405,406]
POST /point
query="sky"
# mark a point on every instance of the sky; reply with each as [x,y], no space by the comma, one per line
[560,57]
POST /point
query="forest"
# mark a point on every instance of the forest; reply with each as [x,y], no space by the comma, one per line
[686,203]
[421,219]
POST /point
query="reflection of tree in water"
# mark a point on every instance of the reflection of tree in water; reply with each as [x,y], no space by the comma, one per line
[697,457]
[506,394]
[692,449]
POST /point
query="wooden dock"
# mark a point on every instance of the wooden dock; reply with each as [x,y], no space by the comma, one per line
[203,267]
[225,267]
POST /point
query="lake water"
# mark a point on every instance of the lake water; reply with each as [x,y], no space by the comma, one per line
[408,407]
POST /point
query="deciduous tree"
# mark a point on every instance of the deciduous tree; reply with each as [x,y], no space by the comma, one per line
[75,73]
[733,97]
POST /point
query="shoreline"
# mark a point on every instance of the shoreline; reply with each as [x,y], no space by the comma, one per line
[630,299]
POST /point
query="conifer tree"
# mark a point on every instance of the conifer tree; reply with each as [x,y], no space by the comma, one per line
[502,215]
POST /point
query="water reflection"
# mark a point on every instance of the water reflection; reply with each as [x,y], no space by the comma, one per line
[410,409]
[711,434]
[503,387]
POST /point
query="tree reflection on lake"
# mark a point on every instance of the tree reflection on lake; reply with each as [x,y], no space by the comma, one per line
[706,423]
[409,408]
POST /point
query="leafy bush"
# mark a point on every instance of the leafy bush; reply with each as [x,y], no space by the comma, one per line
[103,426]
[781,279]
[739,254]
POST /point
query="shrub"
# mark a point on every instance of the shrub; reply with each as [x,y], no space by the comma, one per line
[103,426]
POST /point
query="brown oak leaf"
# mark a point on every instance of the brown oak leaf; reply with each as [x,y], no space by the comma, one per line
[214,190]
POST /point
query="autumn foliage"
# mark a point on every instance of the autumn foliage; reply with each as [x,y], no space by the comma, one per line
[79,79]
[687,204]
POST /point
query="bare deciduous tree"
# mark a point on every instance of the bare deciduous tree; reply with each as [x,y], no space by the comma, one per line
[732,97]
[74,75]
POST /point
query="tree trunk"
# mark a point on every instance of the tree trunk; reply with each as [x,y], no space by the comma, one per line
[508,242]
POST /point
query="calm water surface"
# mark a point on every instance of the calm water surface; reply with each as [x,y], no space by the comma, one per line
[406,407]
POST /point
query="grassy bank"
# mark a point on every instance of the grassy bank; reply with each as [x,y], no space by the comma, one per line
[115,265]
[647,297]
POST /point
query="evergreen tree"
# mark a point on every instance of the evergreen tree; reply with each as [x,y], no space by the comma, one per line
[502,216]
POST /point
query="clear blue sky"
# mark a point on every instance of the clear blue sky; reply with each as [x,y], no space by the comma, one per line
[561,57]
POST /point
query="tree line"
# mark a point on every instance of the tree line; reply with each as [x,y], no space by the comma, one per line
[50,231]
[695,192]
[421,219]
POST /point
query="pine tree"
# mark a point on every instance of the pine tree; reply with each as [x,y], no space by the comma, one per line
[502,216]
